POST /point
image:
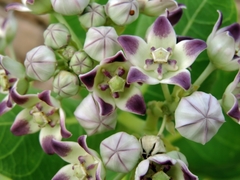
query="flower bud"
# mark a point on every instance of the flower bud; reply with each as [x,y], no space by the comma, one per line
[65,84]
[198,117]
[91,119]
[40,63]
[56,36]
[35,6]
[223,46]
[122,12]
[68,52]
[93,16]
[8,29]
[81,63]
[70,7]
[101,42]
[120,152]
[156,7]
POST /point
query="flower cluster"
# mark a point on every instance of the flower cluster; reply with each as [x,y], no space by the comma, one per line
[110,72]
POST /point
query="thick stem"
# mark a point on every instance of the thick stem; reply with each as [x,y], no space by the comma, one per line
[207,71]
[166,92]
[150,123]
[119,176]
[162,126]
[61,19]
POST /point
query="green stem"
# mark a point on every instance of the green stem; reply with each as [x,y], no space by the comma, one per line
[162,126]
[61,19]
[166,92]
[119,176]
[207,71]
[151,122]
[131,122]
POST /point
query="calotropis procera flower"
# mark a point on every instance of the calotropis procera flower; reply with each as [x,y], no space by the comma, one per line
[40,63]
[230,100]
[66,84]
[198,117]
[171,165]
[84,163]
[70,7]
[122,12]
[91,119]
[93,16]
[156,7]
[34,6]
[41,112]
[81,63]
[160,59]
[56,36]
[11,72]
[8,29]
[101,42]
[108,83]
[120,152]
[224,45]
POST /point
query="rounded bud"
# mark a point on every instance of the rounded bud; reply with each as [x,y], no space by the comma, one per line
[101,42]
[122,12]
[56,36]
[65,84]
[81,63]
[120,152]
[70,7]
[68,52]
[40,63]
[93,16]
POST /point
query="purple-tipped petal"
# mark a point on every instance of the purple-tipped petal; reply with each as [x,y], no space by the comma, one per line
[88,78]
[175,16]
[186,173]
[187,51]
[216,26]
[4,107]
[162,159]
[234,111]
[68,151]
[48,99]
[24,101]
[234,31]
[47,134]
[135,48]
[135,74]
[142,169]
[17,7]
[24,124]
[180,78]
[118,57]
[105,108]
[132,101]
[65,173]
[64,132]
[161,34]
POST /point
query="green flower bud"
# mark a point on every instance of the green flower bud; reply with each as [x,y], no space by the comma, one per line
[93,16]
[56,36]
[68,52]
[81,63]
[65,84]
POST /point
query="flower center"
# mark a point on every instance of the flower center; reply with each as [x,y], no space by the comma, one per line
[117,84]
[160,62]
[160,55]
[4,83]
[79,171]
[42,118]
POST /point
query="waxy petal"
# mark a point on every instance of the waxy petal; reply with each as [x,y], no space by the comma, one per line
[131,100]
[46,97]
[216,26]
[185,52]
[118,57]
[24,124]
[185,172]
[68,151]
[65,173]
[17,7]
[105,103]
[136,74]
[88,78]
[175,15]
[47,134]
[161,34]
[234,31]
[64,132]
[6,105]
[142,169]
[180,78]
[135,48]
